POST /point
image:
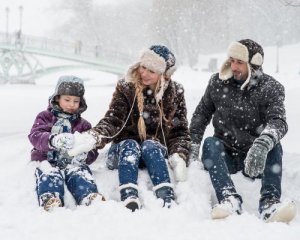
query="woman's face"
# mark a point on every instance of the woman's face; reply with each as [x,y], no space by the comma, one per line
[149,77]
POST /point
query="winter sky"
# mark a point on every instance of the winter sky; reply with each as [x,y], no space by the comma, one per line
[35,20]
[38,17]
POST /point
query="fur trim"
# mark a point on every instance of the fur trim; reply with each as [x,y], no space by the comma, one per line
[257,59]
[170,71]
[238,51]
[161,185]
[248,78]
[131,69]
[153,61]
[225,71]
[163,83]
[163,86]
[132,199]
[128,185]
[235,50]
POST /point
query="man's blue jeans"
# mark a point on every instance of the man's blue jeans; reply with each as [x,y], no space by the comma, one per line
[220,164]
[128,155]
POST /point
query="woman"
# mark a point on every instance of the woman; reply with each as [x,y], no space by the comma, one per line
[146,123]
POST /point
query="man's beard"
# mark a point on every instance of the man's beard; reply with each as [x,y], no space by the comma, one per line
[237,76]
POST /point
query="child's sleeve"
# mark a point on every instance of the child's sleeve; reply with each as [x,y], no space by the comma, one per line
[40,133]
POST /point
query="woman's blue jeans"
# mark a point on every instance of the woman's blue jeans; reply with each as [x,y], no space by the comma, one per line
[220,164]
[128,155]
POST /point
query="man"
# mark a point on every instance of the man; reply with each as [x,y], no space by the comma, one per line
[249,120]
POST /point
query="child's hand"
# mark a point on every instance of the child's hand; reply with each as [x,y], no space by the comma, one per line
[79,159]
[62,141]
[83,142]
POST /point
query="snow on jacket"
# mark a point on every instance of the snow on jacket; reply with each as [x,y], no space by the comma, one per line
[240,116]
[41,130]
[175,130]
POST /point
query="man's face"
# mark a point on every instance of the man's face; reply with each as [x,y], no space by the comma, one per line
[239,69]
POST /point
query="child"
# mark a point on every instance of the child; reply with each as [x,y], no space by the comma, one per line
[51,136]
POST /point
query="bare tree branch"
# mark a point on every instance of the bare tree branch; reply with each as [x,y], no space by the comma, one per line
[291,3]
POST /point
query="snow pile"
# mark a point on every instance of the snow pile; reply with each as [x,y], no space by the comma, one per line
[21,218]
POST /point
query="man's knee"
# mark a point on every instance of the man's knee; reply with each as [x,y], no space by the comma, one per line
[212,147]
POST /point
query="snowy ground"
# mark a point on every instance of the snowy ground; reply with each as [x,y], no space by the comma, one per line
[21,218]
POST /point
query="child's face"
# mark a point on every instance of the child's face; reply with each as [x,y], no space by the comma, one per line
[69,104]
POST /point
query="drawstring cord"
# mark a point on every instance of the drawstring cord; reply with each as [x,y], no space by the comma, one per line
[162,129]
[160,119]
[109,137]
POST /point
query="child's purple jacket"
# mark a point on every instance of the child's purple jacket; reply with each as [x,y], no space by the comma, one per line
[41,130]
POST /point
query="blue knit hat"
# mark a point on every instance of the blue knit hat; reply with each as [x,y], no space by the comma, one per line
[159,59]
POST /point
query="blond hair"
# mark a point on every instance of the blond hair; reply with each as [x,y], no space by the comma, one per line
[139,87]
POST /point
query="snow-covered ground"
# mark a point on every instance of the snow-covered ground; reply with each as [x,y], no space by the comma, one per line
[21,218]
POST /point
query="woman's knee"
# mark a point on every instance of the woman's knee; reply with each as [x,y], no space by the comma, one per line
[150,145]
[129,144]
[129,151]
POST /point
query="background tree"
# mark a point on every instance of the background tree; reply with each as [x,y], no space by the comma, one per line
[188,27]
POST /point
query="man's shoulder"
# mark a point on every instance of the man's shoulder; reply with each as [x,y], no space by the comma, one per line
[271,82]
[215,79]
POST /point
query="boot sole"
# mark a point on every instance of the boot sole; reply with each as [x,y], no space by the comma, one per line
[284,214]
[219,213]
[132,206]
[55,203]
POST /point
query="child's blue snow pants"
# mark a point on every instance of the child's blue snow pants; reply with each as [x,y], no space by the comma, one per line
[78,179]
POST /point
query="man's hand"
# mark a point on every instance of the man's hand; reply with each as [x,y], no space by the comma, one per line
[256,157]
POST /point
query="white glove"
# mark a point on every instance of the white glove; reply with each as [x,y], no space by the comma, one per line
[62,141]
[83,142]
[79,159]
[179,167]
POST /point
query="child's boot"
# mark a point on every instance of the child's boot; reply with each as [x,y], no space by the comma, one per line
[91,198]
[49,201]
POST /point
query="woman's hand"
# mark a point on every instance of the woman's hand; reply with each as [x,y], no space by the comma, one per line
[83,142]
[178,165]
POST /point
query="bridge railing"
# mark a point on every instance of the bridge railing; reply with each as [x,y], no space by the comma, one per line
[63,47]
